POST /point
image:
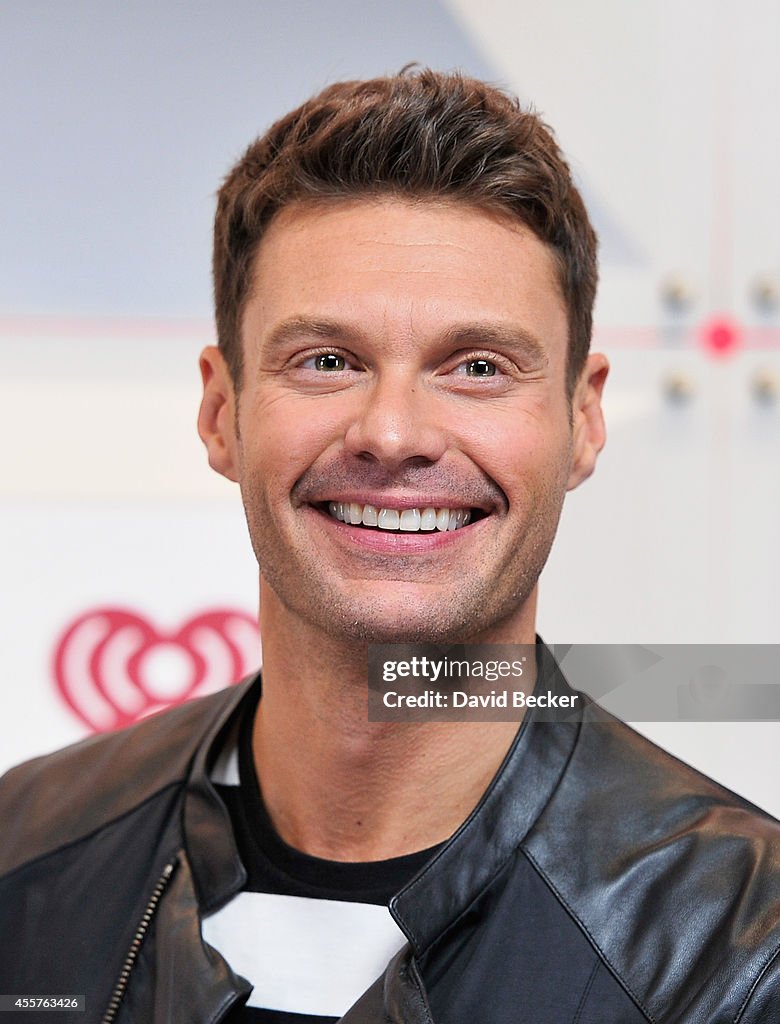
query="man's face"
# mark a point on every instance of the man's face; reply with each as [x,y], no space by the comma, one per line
[404,367]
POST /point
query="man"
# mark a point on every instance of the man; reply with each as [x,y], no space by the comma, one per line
[404,279]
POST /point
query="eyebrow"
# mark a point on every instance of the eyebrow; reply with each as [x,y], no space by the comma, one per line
[304,327]
[466,335]
[490,335]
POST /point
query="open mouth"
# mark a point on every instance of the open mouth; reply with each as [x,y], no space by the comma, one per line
[407,520]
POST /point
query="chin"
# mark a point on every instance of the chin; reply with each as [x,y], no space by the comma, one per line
[395,633]
[433,626]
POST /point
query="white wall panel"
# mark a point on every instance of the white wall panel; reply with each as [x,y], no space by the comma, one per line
[119,122]
[668,114]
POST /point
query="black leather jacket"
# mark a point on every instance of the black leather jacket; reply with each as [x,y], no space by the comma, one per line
[599,881]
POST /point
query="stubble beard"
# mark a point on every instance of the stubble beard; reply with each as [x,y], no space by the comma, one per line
[479,606]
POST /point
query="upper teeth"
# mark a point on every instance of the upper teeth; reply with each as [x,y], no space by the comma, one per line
[409,520]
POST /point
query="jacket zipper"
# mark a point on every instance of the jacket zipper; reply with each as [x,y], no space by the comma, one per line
[124,975]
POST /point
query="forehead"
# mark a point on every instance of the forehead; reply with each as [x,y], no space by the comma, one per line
[423,265]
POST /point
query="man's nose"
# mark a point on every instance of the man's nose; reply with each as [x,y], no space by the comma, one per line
[399,421]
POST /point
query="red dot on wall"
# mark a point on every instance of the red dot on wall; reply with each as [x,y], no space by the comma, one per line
[720,336]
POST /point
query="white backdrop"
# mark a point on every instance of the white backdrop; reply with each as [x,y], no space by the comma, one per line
[119,123]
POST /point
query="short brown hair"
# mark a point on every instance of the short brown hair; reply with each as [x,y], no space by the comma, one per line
[419,134]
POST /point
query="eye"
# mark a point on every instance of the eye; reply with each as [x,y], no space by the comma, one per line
[329,361]
[313,366]
[480,368]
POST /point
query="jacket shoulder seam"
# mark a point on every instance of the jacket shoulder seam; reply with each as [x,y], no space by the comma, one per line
[751,991]
[591,938]
[23,865]
[586,992]
[729,797]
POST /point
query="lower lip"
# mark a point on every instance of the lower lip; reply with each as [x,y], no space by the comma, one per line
[390,541]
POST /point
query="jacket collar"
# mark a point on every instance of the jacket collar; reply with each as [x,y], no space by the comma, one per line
[516,797]
[217,870]
[463,866]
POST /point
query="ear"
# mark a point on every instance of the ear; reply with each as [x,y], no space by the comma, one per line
[588,429]
[217,415]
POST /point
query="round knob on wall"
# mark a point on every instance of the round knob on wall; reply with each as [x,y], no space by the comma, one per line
[677,293]
[678,387]
[765,293]
[766,386]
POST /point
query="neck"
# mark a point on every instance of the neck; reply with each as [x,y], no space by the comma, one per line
[341,787]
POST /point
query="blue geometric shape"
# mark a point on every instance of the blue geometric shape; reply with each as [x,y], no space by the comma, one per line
[119,121]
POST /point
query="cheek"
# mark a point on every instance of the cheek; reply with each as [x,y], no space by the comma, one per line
[522,446]
[284,434]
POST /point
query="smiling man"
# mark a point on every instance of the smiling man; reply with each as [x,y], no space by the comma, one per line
[403,389]
[402,414]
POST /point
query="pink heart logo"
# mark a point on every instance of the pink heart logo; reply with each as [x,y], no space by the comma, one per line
[112,666]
